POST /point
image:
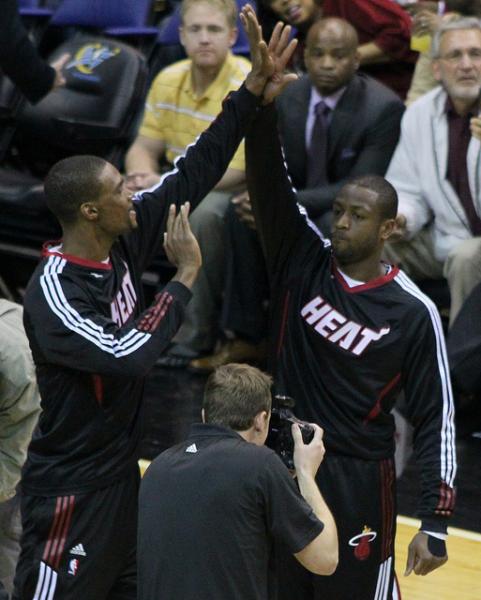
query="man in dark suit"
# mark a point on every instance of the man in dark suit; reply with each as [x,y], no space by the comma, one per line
[363,117]
[335,124]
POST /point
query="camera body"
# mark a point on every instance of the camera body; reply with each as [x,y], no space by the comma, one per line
[280,437]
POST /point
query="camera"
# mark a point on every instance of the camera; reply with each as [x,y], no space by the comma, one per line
[280,437]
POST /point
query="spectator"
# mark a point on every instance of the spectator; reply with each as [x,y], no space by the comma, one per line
[184,98]
[236,498]
[435,169]
[93,341]
[425,23]
[358,137]
[347,333]
[19,410]
[20,61]
[383,27]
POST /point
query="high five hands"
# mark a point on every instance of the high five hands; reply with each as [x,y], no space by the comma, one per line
[267,77]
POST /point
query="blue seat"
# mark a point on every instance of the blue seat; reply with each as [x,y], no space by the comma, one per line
[169,31]
[126,18]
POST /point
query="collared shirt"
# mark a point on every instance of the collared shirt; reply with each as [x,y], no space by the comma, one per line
[331,101]
[217,503]
[174,114]
[457,171]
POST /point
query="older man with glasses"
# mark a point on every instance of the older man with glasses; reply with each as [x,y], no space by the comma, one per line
[436,169]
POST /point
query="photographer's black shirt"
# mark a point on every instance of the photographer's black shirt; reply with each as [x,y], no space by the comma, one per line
[344,353]
[210,509]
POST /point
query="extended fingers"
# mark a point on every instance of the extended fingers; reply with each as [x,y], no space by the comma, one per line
[275,37]
[287,53]
[184,218]
[170,219]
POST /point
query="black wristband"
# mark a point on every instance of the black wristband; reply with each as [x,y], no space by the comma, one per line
[436,546]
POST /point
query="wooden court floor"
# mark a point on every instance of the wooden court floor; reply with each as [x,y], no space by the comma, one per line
[458,579]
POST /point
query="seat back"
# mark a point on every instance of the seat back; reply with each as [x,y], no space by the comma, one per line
[101,14]
[95,113]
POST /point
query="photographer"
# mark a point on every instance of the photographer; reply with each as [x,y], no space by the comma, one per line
[217,501]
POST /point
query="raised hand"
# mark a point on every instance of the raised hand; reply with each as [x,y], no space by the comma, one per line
[268,61]
[181,246]
[280,50]
[262,64]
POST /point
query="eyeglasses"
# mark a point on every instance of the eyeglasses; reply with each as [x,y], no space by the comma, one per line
[457,56]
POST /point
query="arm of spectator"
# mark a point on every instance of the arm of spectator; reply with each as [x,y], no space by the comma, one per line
[243,209]
[386,23]
[321,555]
[231,180]
[404,174]
[20,407]
[19,59]
[142,162]
[72,333]
[374,157]
[19,397]
[372,54]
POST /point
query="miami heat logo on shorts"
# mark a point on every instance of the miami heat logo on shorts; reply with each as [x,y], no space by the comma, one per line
[361,543]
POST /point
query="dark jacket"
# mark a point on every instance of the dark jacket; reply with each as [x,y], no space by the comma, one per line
[363,134]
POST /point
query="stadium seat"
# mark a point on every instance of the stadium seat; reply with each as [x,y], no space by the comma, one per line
[95,113]
[119,19]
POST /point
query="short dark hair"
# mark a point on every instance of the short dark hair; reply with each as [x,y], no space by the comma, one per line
[71,182]
[386,194]
[234,394]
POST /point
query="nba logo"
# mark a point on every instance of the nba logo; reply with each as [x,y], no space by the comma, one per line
[73,566]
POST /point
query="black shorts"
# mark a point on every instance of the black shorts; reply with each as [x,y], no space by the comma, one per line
[361,495]
[80,547]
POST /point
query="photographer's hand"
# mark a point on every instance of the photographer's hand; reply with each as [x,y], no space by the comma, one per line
[308,457]
[321,555]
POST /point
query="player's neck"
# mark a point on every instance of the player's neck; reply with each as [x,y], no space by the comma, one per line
[364,270]
[86,245]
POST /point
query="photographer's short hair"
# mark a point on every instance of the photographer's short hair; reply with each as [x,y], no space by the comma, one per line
[71,182]
[234,394]
[228,7]
[454,25]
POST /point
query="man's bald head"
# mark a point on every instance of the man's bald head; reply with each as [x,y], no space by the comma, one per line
[335,28]
[331,54]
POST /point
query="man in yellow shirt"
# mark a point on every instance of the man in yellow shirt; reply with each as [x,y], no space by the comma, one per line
[183,100]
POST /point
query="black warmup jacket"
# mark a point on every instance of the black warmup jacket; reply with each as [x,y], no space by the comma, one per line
[91,337]
[343,353]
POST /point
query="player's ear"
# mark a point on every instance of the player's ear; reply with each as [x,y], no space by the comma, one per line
[386,229]
[89,211]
